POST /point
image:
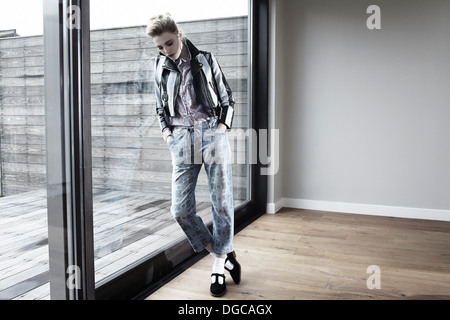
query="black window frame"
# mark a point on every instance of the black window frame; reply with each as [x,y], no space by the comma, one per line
[70,199]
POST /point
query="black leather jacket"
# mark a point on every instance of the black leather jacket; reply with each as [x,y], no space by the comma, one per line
[211,87]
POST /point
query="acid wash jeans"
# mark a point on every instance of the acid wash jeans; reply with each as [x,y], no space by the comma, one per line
[192,148]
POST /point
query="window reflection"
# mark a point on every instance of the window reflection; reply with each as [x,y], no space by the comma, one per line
[23,207]
[131,163]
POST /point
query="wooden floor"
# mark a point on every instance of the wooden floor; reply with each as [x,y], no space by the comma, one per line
[304,255]
[127,227]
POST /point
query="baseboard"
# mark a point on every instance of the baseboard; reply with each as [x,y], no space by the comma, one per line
[364,209]
[273,208]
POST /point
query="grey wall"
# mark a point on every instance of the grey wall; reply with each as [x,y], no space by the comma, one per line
[367,112]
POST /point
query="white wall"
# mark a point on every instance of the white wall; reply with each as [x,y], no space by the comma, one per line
[366,112]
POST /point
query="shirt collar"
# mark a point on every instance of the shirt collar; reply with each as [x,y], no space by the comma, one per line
[184,60]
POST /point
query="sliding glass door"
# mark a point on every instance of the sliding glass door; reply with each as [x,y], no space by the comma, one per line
[23,193]
[85,176]
[131,162]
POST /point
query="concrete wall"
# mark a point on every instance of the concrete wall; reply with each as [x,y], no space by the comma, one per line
[366,112]
[128,152]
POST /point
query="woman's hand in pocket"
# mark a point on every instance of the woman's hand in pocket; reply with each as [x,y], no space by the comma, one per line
[170,140]
[221,128]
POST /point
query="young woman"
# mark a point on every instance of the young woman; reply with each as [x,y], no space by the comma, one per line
[195,107]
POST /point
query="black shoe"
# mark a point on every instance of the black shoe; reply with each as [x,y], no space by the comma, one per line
[217,289]
[236,271]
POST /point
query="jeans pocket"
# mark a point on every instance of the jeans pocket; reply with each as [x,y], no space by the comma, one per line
[176,138]
[174,143]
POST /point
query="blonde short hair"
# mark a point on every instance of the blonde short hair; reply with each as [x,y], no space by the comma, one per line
[161,23]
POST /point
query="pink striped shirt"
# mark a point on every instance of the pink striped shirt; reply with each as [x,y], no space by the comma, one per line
[187,111]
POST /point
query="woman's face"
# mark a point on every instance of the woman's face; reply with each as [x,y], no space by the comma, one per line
[169,44]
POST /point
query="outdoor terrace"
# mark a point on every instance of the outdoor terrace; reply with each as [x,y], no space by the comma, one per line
[127,228]
[131,165]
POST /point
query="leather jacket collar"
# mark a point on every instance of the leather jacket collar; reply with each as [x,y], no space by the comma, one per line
[195,67]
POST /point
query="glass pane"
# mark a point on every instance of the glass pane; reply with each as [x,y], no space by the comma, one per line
[24,266]
[132,165]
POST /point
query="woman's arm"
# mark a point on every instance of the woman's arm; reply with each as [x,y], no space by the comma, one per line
[225,94]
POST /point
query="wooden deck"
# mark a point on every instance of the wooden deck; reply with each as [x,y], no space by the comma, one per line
[127,150]
[127,227]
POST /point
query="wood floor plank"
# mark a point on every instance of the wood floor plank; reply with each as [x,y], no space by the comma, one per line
[304,255]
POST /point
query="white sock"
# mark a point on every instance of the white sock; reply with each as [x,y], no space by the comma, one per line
[228,264]
[218,266]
